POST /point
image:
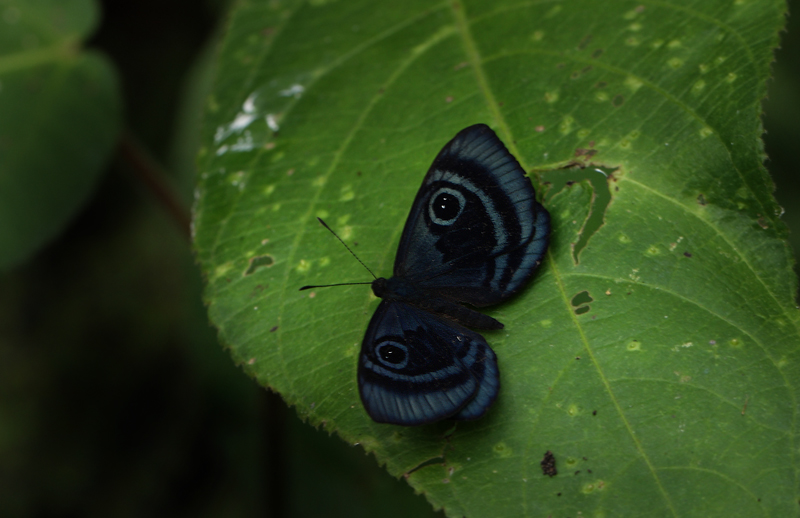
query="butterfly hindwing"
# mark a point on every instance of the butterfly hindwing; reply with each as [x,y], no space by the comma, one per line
[475,232]
[418,368]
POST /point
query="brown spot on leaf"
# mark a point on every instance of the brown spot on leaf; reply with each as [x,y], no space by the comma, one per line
[549,465]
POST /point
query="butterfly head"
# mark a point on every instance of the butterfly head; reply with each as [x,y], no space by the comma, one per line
[379,287]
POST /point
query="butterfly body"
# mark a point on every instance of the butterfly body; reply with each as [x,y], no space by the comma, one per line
[475,235]
[402,290]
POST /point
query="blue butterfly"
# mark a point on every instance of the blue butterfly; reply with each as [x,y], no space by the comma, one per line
[475,235]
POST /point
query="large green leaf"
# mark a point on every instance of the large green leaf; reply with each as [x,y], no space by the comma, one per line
[59,119]
[658,360]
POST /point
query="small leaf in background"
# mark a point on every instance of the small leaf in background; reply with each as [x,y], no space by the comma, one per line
[59,119]
[655,353]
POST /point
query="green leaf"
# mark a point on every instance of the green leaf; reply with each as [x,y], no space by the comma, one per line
[657,361]
[60,115]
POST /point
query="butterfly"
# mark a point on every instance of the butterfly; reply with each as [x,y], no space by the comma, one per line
[475,234]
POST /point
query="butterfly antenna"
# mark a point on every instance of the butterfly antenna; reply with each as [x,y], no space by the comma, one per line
[348,249]
[329,285]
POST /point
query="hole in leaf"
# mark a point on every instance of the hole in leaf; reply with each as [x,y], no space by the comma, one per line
[581,302]
[259,261]
[582,298]
[598,178]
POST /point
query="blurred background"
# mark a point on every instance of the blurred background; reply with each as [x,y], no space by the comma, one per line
[115,397]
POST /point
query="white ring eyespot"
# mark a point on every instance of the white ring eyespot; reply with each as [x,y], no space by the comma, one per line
[445,206]
[392,354]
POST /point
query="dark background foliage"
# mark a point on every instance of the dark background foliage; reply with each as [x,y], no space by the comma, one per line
[115,398]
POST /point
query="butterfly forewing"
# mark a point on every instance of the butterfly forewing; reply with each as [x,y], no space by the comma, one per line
[475,232]
[417,368]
